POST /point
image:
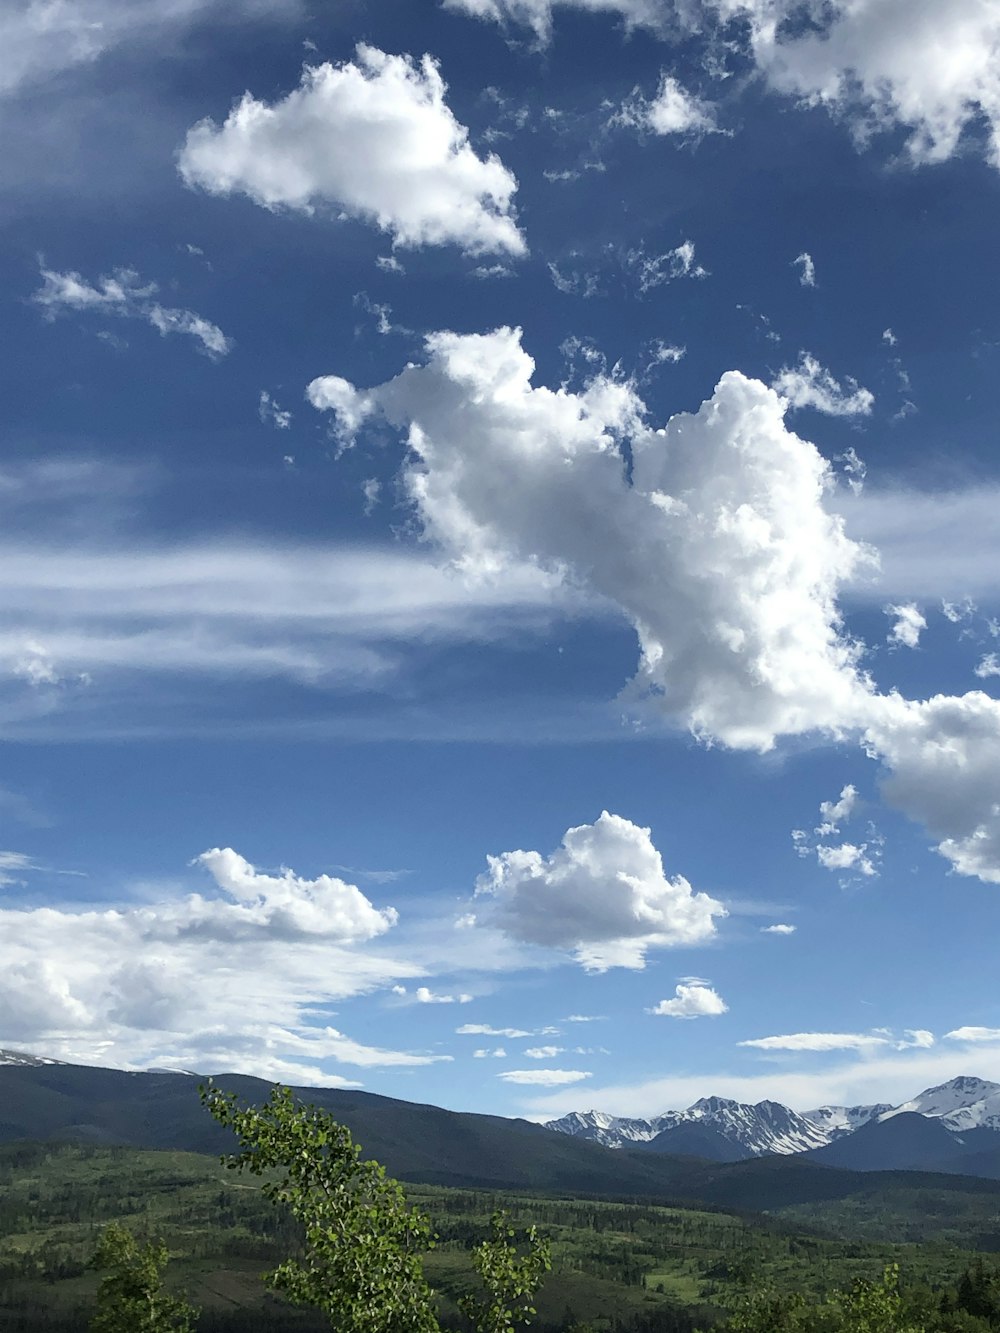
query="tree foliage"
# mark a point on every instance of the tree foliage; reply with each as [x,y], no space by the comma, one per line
[131,1298]
[509,1279]
[361,1260]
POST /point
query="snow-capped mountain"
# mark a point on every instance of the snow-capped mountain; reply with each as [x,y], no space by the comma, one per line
[836,1121]
[962,1104]
[768,1127]
[23,1058]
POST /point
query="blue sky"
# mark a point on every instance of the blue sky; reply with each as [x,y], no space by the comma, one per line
[500,596]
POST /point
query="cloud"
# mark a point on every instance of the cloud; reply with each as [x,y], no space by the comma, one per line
[876,63]
[905,632]
[835,813]
[269,411]
[933,545]
[39,39]
[542,1052]
[426,996]
[807,269]
[240,978]
[696,1000]
[973,1034]
[129,615]
[653,271]
[484,1030]
[372,138]
[602,894]
[846,856]
[498,1053]
[672,111]
[987,666]
[545,1078]
[943,757]
[818,1041]
[124,296]
[720,549]
[287,904]
[810,385]
[780,928]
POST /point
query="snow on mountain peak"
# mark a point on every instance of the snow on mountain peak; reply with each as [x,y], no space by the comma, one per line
[960,1104]
[24,1059]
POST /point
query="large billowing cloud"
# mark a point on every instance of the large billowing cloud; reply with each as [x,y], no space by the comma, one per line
[719,548]
[372,138]
[603,894]
[928,65]
[719,545]
[233,979]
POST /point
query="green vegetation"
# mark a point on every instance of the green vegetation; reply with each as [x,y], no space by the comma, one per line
[131,1298]
[619,1267]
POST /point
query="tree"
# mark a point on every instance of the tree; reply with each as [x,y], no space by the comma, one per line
[131,1298]
[361,1262]
[876,1307]
[509,1280]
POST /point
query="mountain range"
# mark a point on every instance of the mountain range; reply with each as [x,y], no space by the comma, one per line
[955,1122]
[717,1150]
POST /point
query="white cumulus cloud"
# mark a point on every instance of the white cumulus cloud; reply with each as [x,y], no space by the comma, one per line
[811,385]
[373,138]
[819,1041]
[696,999]
[603,894]
[806,267]
[973,1034]
[908,621]
[720,551]
[779,928]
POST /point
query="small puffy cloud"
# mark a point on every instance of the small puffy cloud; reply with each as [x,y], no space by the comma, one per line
[889,337]
[484,1030]
[603,894]
[819,1041]
[806,267]
[673,110]
[583,1018]
[917,1038]
[811,385]
[835,813]
[779,928]
[286,902]
[269,411]
[123,295]
[846,856]
[696,999]
[544,1078]
[426,996]
[908,622]
[372,138]
[498,1053]
[973,1034]
[542,1052]
[988,665]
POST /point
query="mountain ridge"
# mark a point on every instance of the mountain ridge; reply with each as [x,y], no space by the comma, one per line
[764,1128]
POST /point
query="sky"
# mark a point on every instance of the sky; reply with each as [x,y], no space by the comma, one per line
[500,581]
